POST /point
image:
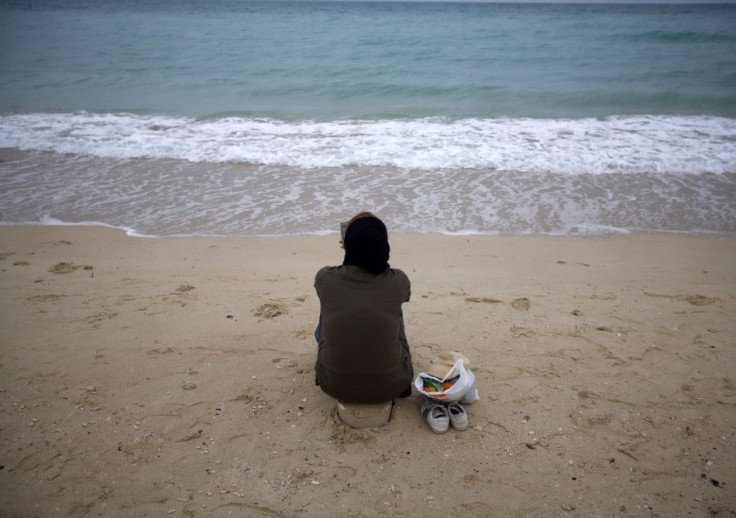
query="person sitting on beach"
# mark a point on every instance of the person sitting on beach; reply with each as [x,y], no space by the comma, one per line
[363,355]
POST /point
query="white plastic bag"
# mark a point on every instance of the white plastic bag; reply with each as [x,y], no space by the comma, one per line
[457,385]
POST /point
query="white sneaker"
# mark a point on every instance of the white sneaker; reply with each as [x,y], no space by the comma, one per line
[436,415]
[458,416]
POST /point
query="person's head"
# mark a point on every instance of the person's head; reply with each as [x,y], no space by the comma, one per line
[366,243]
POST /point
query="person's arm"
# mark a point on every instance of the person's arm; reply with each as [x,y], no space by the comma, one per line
[319,279]
[404,285]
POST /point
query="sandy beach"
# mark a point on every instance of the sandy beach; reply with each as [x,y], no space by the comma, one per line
[157,377]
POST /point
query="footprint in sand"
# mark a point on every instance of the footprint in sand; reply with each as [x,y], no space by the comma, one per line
[521,332]
[695,300]
[303,334]
[278,363]
[270,310]
[521,304]
[482,300]
[64,267]
[97,318]
[51,297]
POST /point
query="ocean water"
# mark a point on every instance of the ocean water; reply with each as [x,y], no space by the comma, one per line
[241,118]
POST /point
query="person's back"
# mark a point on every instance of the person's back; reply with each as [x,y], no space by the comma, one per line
[363,353]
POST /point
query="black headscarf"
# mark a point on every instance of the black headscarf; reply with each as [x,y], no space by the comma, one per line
[366,245]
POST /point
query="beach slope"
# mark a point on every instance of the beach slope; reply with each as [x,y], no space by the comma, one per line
[148,377]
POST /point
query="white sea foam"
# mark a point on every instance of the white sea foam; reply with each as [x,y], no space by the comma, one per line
[635,144]
[49,221]
[174,197]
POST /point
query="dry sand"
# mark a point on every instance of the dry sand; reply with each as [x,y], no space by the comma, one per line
[157,377]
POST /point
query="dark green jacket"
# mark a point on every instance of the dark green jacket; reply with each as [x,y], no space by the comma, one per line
[363,355]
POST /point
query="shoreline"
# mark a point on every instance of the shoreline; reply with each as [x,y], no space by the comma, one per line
[613,233]
[175,375]
[177,197]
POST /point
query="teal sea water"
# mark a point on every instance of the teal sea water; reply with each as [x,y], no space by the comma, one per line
[235,117]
